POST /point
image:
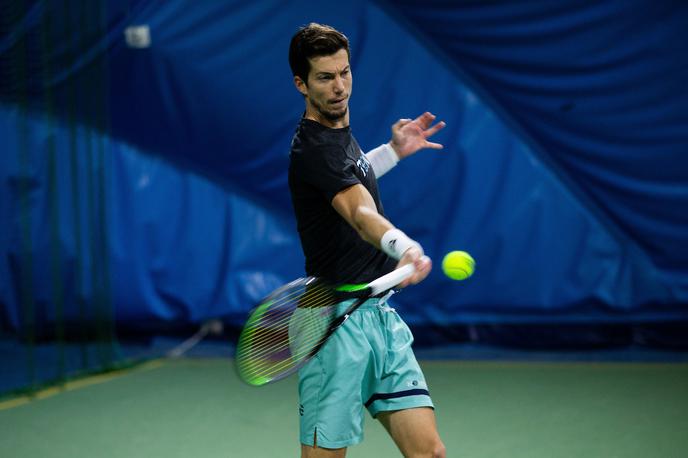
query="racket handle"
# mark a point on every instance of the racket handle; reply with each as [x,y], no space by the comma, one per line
[392,279]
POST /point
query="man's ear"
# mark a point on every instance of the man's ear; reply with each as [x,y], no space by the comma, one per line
[301,85]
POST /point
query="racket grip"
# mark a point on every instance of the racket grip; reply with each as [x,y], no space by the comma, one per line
[392,279]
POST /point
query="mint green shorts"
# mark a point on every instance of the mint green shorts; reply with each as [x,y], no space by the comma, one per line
[367,362]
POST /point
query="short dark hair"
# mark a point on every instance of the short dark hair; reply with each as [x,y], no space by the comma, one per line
[314,40]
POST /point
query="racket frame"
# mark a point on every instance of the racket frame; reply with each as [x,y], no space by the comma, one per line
[361,293]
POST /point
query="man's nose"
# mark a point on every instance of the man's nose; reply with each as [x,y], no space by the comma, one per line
[338,85]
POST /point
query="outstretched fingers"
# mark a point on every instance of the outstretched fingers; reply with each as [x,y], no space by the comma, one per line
[432,145]
[434,129]
[425,120]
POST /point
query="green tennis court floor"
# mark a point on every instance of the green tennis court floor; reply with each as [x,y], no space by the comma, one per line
[198,408]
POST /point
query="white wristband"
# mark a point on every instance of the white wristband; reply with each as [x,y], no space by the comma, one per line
[382,159]
[395,243]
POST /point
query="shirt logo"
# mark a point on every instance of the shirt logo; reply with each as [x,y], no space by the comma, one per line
[363,165]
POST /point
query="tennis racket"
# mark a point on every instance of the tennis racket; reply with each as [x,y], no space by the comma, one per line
[290,325]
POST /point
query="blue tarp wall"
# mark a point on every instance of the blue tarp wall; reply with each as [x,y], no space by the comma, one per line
[150,183]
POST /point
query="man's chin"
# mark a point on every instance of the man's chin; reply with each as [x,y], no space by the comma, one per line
[335,115]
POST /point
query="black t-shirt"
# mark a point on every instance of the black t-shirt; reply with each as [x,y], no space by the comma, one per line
[324,162]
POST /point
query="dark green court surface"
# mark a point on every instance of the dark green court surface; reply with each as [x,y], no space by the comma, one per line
[198,408]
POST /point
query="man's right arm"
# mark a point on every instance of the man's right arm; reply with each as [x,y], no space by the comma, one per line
[357,207]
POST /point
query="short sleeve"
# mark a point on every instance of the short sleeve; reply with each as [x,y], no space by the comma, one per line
[328,169]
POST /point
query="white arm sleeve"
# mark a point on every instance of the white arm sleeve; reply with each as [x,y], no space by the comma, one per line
[382,159]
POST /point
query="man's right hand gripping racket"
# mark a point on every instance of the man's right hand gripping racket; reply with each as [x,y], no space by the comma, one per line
[290,325]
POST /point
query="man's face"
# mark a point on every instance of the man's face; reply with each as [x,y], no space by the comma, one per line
[329,88]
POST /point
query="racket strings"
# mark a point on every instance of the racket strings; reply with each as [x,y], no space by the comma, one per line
[321,299]
[273,345]
[264,342]
[269,342]
[272,366]
[262,367]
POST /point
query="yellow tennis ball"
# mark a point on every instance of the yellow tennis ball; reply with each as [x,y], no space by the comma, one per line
[458,265]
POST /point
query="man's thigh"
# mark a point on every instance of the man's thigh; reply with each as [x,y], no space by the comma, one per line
[414,431]
[316,452]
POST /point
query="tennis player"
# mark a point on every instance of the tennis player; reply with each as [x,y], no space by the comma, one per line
[346,238]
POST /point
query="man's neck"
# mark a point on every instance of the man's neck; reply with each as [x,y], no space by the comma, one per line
[317,117]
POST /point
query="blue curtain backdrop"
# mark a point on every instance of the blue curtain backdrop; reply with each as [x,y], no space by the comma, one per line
[163,169]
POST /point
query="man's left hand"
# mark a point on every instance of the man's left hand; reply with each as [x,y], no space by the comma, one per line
[410,136]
